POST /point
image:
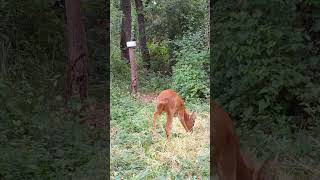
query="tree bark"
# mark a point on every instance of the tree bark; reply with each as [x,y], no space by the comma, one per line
[77,71]
[142,34]
[107,85]
[125,29]
[208,27]
[107,44]
[134,74]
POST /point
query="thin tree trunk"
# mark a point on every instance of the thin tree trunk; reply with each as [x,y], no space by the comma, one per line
[107,44]
[134,74]
[125,29]
[208,26]
[142,34]
[107,85]
[77,71]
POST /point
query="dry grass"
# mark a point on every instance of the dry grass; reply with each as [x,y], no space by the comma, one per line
[182,146]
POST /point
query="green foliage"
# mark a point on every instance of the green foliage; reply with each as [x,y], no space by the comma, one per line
[189,76]
[190,73]
[35,41]
[96,27]
[178,16]
[260,65]
[176,33]
[159,55]
[169,25]
[192,40]
[118,67]
[38,143]
[154,82]
[313,2]
[265,71]
[37,139]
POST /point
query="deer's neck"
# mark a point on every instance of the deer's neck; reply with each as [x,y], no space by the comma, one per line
[184,117]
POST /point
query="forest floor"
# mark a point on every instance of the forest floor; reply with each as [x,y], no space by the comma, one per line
[135,154]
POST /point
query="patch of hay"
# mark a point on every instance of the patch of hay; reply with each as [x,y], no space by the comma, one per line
[182,146]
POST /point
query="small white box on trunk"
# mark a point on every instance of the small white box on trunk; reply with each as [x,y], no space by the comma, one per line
[131,44]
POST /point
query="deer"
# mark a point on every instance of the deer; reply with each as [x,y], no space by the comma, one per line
[231,164]
[172,104]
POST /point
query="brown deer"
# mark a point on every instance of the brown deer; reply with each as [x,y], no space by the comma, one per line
[231,163]
[169,102]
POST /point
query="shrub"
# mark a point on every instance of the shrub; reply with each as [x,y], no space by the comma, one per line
[159,55]
[37,142]
[189,76]
[261,68]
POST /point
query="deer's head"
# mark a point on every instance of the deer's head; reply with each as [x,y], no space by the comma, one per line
[190,121]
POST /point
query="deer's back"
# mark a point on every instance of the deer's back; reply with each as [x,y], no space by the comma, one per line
[171,101]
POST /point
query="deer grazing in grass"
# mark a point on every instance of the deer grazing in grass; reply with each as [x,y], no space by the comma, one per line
[231,163]
[169,102]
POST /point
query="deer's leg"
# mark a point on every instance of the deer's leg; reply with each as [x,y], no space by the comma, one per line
[155,116]
[168,125]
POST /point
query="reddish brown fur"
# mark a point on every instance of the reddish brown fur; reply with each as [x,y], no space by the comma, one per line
[169,102]
[230,162]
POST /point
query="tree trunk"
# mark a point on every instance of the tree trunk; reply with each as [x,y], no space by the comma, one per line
[107,44]
[142,34]
[107,85]
[134,74]
[77,71]
[125,29]
[208,26]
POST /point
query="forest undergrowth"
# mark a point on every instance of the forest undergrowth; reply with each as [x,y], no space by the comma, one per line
[135,155]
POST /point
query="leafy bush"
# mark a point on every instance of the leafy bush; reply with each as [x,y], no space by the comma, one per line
[159,55]
[191,41]
[190,73]
[260,68]
[154,82]
[189,76]
[39,143]
[171,19]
